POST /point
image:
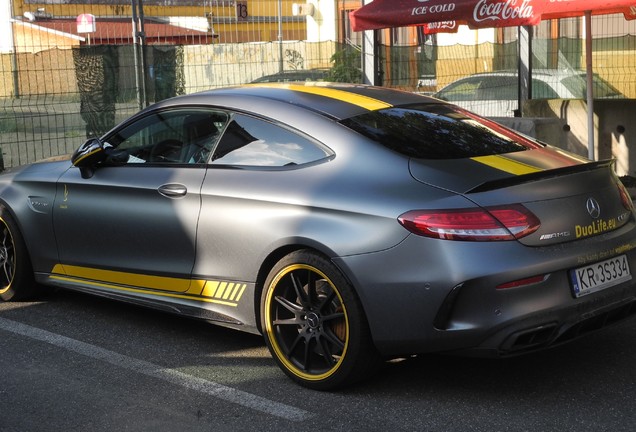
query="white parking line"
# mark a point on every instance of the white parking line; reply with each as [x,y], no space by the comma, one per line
[220,391]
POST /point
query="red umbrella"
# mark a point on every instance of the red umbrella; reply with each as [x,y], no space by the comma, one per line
[476,13]
[491,13]
[480,13]
[573,8]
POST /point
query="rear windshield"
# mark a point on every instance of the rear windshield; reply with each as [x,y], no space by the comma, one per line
[434,131]
[577,85]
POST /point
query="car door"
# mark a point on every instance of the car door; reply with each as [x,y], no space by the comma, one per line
[246,198]
[136,224]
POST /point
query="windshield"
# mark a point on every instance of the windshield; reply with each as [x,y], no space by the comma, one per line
[433,131]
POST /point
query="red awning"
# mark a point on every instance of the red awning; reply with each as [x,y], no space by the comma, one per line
[479,13]
[572,8]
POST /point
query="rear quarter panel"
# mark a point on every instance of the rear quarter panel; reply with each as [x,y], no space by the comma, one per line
[346,205]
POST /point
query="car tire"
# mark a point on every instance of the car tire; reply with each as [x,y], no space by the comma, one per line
[314,324]
[16,273]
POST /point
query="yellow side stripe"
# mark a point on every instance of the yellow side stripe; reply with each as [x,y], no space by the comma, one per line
[144,291]
[508,165]
[228,293]
[131,279]
[362,101]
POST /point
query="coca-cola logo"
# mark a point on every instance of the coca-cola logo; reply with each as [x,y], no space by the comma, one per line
[442,25]
[502,10]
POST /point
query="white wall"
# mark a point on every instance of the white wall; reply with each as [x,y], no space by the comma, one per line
[321,26]
[466,36]
[6,37]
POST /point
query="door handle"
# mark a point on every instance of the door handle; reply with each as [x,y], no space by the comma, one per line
[173,190]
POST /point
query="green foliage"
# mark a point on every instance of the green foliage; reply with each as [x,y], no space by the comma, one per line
[346,66]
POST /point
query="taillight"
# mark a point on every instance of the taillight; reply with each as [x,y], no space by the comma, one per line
[625,198]
[474,224]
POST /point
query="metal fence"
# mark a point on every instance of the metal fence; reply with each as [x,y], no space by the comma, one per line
[57,87]
[102,89]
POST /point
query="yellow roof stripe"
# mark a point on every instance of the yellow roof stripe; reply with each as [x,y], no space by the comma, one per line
[508,165]
[343,95]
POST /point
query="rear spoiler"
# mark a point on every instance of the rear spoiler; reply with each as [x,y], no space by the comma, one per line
[541,175]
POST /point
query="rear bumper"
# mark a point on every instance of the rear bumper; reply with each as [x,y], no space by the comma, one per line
[533,334]
[422,297]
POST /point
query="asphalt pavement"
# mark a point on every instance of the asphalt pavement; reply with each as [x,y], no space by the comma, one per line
[72,362]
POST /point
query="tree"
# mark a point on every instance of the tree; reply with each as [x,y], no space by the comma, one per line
[346,66]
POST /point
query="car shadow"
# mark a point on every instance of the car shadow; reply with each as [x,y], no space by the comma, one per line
[594,361]
[146,333]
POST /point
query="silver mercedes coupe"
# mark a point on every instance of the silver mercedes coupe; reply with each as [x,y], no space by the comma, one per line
[348,224]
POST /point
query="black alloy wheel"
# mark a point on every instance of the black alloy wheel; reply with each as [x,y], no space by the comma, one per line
[16,273]
[314,324]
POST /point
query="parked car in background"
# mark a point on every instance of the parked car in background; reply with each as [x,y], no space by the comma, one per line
[318,74]
[496,94]
[347,224]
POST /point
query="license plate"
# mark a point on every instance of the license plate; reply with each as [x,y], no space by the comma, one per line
[604,274]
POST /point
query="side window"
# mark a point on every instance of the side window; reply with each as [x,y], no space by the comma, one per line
[498,88]
[462,91]
[184,136]
[249,141]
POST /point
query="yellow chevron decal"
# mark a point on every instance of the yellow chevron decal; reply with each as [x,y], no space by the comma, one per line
[508,165]
[224,290]
[209,291]
[342,95]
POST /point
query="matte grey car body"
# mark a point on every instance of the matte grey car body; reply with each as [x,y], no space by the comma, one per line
[346,223]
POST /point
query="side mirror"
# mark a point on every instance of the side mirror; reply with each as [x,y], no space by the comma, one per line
[115,157]
[87,156]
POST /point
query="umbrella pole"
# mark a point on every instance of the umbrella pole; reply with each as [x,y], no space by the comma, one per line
[524,68]
[590,89]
